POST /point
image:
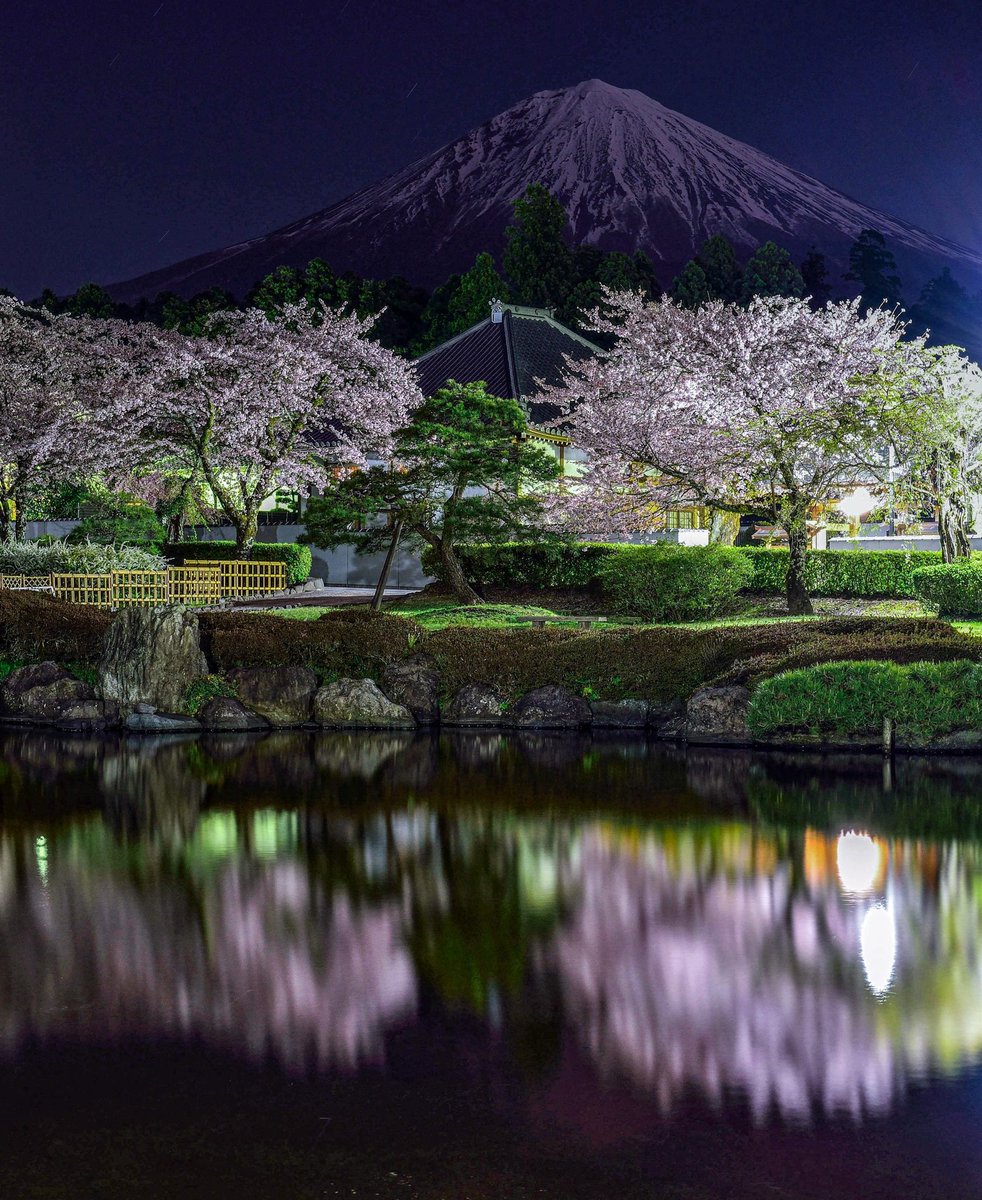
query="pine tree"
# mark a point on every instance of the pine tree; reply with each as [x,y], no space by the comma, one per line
[771,272]
[945,311]
[471,302]
[723,276]
[537,260]
[872,266]
[690,287]
[815,276]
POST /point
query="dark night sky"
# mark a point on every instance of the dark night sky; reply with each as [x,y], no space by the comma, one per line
[135,134]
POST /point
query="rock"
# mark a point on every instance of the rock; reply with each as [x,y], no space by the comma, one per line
[717,715]
[619,714]
[551,707]
[152,656]
[474,704]
[159,722]
[667,719]
[144,708]
[283,695]
[46,693]
[414,682]
[358,703]
[225,712]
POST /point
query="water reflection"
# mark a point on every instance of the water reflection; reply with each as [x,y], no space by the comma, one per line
[750,930]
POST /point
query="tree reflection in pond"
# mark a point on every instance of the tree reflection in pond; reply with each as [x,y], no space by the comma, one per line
[695,924]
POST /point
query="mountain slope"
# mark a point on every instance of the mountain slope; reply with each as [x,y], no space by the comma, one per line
[631,173]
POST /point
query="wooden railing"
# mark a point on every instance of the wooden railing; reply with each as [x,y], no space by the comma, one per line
[195,584]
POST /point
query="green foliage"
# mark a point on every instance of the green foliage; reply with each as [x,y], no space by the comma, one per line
[593,271]
[204,689]
[873,267]
[866,573]
[37,558]
[690,287]
[815,277]
[954,589]
[723,277]
[556,563]
[666,582]
[537,258]
[771,272]
[471,302]
[297,558]
[464,471]
[551,563]
[926,700]
[119,519]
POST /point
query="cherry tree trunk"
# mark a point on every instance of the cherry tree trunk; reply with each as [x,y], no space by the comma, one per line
[799,602]
[246,529]
[953,528]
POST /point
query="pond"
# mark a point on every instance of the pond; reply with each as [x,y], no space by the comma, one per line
[486,966]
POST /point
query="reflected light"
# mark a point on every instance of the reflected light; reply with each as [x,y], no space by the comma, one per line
[858,859]
[878,943]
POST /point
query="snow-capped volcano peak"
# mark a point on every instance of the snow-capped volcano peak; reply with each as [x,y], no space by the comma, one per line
[631,174]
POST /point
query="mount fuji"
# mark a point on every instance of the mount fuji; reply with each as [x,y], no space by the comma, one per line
[632,175]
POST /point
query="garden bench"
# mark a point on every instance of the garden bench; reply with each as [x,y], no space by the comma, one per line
[583,622]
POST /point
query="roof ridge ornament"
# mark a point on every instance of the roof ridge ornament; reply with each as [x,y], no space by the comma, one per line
[497,311]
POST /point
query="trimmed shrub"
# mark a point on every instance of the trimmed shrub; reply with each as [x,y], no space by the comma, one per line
[35,627]
[548,564]
[863,573]
[297,558]
[41,558]
[751,653]
[850,699]
[559,564]
[954,589]
[352,642]
[666,582]
[119,519]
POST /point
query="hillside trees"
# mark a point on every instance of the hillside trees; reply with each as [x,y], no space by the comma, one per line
[537,260]
[461,471]
[774,407]
[873,267]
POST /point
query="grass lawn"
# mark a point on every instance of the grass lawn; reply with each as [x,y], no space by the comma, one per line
[433,611]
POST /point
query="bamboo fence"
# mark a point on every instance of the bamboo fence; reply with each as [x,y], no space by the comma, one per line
[195,584]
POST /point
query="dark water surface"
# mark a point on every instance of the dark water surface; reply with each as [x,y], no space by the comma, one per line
[486,966]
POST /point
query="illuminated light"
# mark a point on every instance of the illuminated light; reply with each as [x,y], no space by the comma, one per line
[878,944]
[859,860]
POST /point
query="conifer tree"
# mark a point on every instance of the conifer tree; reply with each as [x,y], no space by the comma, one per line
[723,276]
[771,272]
[690,289]
[872,266]
[478,287]
[537,260]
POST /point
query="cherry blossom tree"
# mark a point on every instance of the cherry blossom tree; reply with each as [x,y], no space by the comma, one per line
[259,403]
[64,384]
[774,407]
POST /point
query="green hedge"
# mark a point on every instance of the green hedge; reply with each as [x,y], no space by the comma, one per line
[666,582]
[926,700]
[557,564]
[297,558]
[865,573]
[954,589]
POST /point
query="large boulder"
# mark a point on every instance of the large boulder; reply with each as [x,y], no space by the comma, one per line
[359,704]
[47,694]
[152,655]
[283,695]
[474,704]
[551,707]
[226,713]
[414,682]
[717,715]
[619,714]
